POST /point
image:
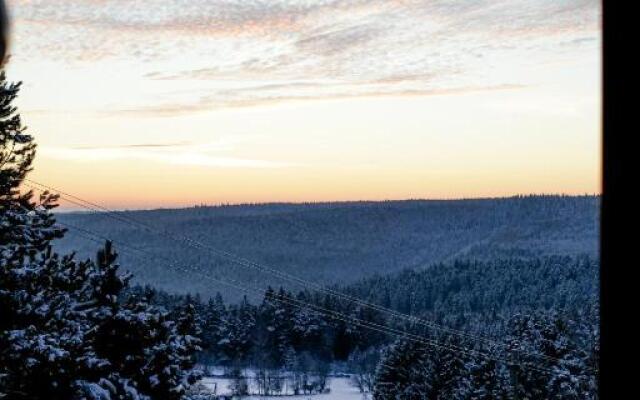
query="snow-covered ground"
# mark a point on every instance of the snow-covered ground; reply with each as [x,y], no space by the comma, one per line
[341,389]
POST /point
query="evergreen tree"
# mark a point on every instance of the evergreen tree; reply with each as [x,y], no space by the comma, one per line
[309,330]
[549,341]
[411,370]
[213,314]
[66,330]
[27,224]
[402,373]
[235,333]
[488,380]
[274,329]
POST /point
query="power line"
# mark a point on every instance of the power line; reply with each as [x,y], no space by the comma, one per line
[101,210]
[94,240]
[274,297]
[261,267]
[109,213]
[334,314]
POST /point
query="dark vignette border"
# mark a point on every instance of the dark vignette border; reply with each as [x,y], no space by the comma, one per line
[617,230]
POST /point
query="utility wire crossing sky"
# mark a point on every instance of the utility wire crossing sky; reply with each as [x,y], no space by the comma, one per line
[142,104]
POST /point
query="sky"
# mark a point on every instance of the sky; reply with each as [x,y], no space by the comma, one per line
[144,104]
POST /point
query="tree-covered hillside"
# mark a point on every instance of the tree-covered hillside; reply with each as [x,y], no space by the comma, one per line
[340,242]
[475,297]
[496,289]
[482,324]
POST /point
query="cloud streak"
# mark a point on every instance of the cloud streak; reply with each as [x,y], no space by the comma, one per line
[149,153]
[214,102]
[133,146]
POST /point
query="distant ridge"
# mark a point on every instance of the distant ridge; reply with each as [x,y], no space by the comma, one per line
[341,242]
[332,203]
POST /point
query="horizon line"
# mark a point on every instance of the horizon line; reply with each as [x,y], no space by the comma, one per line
[327,202]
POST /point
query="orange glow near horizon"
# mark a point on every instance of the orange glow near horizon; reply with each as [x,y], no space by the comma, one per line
[308,103]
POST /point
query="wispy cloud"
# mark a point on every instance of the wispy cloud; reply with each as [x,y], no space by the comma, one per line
[269,97]
[133,146]
[202,155]
[251,53]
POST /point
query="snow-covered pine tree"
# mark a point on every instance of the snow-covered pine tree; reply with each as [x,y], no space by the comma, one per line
[213,315]
[567,371]
[488,380]
[27,224]
[308,328]
[401,373]
[449,371]
[275,328]
[65,330]
[246,321]
[235,335]
[411,370]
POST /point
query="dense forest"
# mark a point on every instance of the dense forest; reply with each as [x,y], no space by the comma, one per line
[541,312]
[336,242]
[448,292]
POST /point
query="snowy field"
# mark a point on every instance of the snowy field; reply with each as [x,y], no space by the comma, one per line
[341,389]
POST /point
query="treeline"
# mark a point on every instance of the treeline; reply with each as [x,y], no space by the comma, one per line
[289,340]
[535,316]
[279,330]
[471,295]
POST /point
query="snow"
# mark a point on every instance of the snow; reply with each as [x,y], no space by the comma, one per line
[95,391]
[341,389]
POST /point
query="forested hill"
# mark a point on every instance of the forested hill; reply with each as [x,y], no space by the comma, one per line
[450,292]
[339,242]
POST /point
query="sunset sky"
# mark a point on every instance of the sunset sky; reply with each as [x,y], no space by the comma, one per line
[139,104]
